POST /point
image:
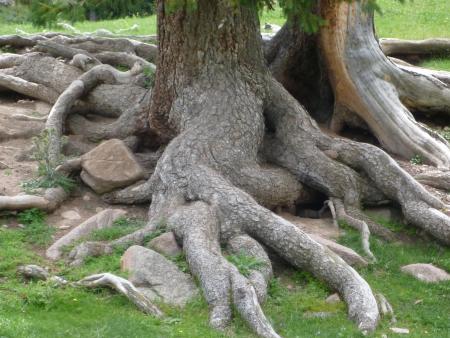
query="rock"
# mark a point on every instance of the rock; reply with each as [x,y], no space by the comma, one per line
[6,2]
[157,277]
[165,244]
[426,272]
[321,315]
[385,213]
[399,330]
[322,227]
[71,215]
[105,219]
[3,165]
[347,254]
[109,166]
[334,298]
[324,232]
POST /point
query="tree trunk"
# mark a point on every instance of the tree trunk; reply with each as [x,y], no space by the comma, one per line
[240,145]
[367,83]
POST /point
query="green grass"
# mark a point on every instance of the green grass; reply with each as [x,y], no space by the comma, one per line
[418,19]
[42,310]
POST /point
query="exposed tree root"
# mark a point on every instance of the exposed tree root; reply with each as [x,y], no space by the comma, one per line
[385,307]
[330,176]
[138,194]
[124,287]
[356,223]
[121,285]
[49,201]
[436,179]
[438,74]
[428,47]
[77,89]
[27,88]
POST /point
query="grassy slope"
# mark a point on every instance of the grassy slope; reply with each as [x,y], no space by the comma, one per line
[39,310]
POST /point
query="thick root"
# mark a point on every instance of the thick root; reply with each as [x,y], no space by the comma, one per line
[139,194]
[50,201]
[77,89]
[436,179]
[436,46]
[34,90]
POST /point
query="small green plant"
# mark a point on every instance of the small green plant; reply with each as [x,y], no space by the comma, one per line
[245,263]
[180,262]
[7,172]
[36,231]
[149,77]
[416,160]
[48,177]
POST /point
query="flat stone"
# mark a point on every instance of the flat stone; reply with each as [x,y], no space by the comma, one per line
[426,272]
[334,298]
[399,330]
[109,166]
[385,213]
[322,227]
[157,277]
[71,215]
[321,315]
[105,219]
[165,244]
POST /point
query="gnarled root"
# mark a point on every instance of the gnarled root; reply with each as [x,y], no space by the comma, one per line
[372,87]
[78,88]
[427,47]
[329,165]
[121,285]
[356,223]
[51,200]
[124,287]
[436,179]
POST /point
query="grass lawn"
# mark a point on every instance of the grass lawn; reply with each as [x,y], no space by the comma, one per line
[42,310]
[39,310]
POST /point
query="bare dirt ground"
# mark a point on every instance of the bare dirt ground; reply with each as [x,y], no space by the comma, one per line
[15,139]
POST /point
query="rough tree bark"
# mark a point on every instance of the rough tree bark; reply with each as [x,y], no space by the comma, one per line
[370,90]
[240,145]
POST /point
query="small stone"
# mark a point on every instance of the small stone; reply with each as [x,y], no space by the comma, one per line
[21,226]
[71,215]
[334,298]
[321,315]
[399,330]
[86,197]
[384,335]
[64,227]
[98,209]
[165,244]
[418,301]
[426,272]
